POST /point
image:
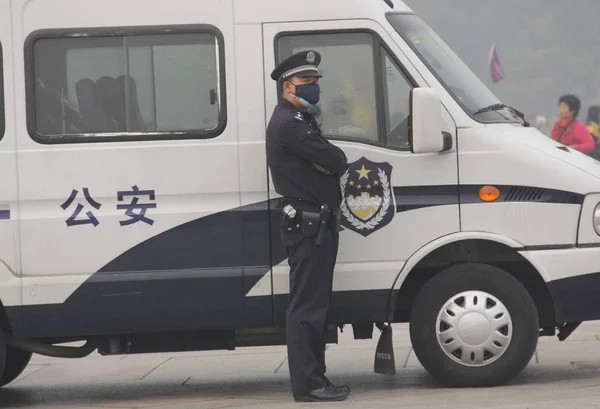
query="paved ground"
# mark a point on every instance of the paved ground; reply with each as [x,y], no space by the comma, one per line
[561,375]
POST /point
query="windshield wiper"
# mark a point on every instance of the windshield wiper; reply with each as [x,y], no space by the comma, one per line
[498,107]
[495,107]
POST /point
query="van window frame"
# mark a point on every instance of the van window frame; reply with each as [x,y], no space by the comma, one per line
[2,95]
[379,45]
[121,31]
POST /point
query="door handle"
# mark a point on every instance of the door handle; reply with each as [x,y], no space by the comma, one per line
[447,141]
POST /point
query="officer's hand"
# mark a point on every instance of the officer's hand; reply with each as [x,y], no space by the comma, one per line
[321,169]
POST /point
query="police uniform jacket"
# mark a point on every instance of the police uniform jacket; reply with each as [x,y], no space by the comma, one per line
[294,144]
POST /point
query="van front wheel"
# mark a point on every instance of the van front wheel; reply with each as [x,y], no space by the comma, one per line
[474,325]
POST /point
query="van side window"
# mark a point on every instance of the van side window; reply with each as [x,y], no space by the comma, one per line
[397,103]
[348,93]
[126,87]
[2,120]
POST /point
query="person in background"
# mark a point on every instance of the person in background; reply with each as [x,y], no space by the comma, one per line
[568,130]
[593,122]
[593,127]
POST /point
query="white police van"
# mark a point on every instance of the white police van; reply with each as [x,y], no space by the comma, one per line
[136,211]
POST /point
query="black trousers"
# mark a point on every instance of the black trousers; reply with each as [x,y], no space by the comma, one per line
[311,282]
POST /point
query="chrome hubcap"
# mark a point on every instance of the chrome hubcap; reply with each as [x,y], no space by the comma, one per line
[474,328]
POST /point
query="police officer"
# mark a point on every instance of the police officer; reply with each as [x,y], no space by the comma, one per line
[306,169]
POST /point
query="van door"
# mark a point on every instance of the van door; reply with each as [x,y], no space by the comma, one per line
[128,171]
[394,201]
[10,283]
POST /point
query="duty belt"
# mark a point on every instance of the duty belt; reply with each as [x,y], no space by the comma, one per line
[304,205]
[311,223]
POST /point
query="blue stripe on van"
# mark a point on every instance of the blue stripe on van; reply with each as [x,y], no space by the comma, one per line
[418,197]
[4,214]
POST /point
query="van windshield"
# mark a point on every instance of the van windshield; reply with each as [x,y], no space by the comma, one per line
[466,88]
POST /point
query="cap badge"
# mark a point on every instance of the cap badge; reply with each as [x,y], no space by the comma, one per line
[310,57]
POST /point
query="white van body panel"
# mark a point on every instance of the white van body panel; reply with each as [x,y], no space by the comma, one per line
[536,140]
[251,121]
[10,269]
[75,166]
[505,156]
[81,270]
[529,223]
[562,264]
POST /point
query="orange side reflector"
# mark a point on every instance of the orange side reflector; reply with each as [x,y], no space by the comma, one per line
[489,193]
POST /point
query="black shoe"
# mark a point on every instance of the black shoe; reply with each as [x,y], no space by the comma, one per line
[325,394]
[342,388]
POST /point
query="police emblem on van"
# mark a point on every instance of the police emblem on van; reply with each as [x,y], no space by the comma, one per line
[367,204]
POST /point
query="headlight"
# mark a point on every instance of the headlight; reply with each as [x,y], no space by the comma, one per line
[597,219]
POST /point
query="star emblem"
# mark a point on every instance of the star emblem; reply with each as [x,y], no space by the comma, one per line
[363,173]
[367,206]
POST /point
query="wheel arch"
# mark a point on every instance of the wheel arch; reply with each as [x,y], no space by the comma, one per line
[470,247]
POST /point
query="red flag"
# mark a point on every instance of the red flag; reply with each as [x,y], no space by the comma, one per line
[495,67]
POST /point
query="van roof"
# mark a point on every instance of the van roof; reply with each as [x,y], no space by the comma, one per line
[309,10]
[265,11]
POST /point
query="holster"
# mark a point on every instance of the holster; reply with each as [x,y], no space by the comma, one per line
[337,217]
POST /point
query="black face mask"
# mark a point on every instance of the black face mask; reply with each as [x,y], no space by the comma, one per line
[309,94]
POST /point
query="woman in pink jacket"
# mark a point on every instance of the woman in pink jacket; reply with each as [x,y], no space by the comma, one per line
[568,130]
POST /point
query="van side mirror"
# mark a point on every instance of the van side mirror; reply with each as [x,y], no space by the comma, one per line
[426,122]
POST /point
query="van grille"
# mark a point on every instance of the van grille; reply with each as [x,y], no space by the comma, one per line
[524,194]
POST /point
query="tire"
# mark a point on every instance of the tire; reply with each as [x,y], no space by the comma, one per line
[485,343]
[16,362]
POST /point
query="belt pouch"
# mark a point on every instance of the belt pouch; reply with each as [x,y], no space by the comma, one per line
[309,223]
